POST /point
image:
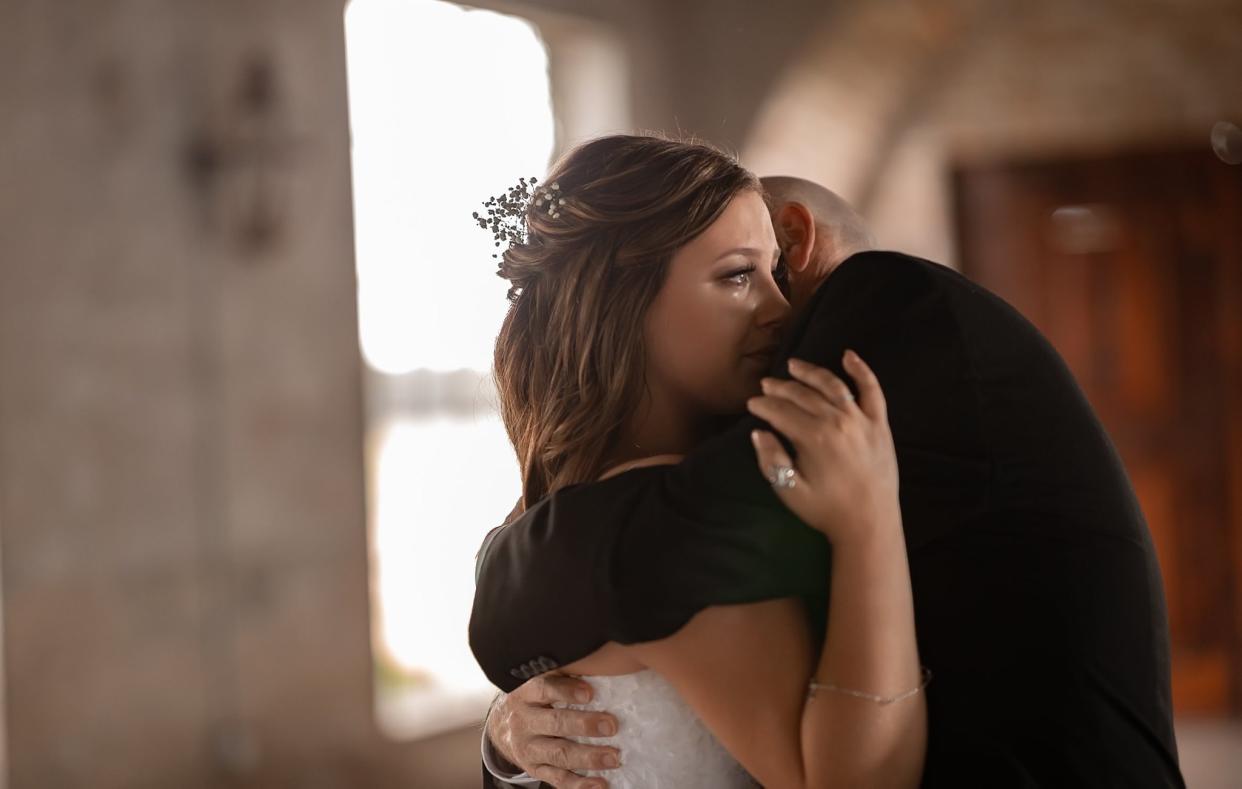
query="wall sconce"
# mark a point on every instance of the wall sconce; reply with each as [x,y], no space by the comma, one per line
[239,162]
[1227,142]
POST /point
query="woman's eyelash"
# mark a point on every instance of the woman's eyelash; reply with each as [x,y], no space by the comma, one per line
[739,272]
[778,271]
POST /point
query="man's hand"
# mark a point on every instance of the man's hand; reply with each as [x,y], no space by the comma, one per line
[529,732]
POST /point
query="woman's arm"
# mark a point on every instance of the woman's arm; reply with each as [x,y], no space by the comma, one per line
[745,669]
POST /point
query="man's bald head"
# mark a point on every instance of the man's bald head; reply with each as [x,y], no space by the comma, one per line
[842,231]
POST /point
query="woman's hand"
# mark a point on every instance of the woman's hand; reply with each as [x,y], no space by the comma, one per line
[844,482]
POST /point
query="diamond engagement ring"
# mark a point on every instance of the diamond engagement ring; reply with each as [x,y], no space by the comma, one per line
[782,477]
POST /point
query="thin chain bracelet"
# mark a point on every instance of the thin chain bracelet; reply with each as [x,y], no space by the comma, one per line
[881,700]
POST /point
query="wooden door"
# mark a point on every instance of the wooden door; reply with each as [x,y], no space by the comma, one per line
[1132,267]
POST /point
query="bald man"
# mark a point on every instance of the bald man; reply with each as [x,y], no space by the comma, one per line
[1038,600]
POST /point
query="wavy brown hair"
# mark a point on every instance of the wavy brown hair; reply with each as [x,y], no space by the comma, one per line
[570,365]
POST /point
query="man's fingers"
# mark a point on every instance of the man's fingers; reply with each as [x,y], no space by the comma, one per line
[551,688]
[870,395]
[570,723]
[564,779]
[570,755]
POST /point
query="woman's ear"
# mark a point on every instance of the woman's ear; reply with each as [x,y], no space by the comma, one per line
[795,227]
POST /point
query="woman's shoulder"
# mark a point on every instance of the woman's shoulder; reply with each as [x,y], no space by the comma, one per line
[616,490]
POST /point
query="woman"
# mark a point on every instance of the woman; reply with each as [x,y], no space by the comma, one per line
[646,309]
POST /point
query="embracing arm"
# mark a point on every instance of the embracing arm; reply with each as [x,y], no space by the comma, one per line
[752,691]
[745,668]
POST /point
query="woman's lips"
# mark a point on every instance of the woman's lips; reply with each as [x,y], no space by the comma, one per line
[763,355]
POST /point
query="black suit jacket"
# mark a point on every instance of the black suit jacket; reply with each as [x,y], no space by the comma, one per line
[1038,600]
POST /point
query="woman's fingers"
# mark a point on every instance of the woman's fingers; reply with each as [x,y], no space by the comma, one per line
[775,461]
[790,419]
[870,396]
[823,381]
[801,395]
[846,479]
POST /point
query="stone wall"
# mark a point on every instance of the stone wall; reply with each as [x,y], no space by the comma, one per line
[181,492]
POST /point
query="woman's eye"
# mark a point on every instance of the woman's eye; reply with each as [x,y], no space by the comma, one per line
[740,277]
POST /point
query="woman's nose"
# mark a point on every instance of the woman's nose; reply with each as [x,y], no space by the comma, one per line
[773,309]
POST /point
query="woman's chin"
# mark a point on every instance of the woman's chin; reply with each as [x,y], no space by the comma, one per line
[732,407]
[757,361]
[752,380]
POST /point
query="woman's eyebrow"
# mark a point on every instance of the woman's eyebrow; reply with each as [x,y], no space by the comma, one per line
[752,251]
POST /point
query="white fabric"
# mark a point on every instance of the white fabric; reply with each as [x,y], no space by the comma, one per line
[662,742]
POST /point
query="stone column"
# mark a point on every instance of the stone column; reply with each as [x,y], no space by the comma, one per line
[182,531]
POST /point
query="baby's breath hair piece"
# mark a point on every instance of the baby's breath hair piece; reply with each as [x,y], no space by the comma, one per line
[506,213]
[550,200]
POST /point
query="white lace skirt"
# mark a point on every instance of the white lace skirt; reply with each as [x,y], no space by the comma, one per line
[662,742]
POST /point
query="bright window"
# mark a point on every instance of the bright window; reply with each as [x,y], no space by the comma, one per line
[448,106]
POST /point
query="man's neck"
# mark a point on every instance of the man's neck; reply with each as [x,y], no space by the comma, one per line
[832,258]
[822,267]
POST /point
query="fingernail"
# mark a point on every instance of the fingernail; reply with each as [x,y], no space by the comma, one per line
[582,695]
[797,364]
[606,728]
[611,760]
[849,355]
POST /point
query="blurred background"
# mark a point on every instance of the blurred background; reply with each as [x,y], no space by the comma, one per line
[248,444]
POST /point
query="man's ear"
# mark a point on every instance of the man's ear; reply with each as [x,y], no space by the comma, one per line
[795,226]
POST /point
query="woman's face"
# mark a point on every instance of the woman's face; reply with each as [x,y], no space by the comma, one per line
[714,326]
